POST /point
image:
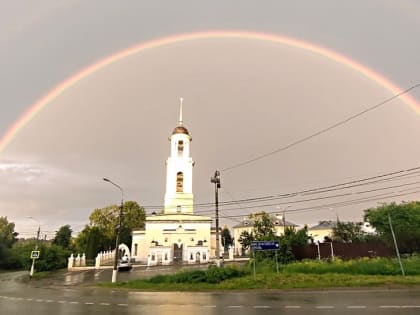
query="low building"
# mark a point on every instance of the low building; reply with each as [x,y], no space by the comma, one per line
[322,231]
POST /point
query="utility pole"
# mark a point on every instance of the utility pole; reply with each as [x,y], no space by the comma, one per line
[284,222]
[117,230]
[216,181]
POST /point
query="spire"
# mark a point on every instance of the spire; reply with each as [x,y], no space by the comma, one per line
[180,128]
[181,100]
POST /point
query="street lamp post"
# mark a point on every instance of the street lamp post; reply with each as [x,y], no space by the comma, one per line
[216,181]
[31,273]
[118,229]
[283,218]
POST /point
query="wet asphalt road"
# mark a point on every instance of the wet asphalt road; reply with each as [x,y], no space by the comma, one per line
[65,294]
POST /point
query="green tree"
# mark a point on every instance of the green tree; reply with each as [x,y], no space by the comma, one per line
[263,227]
[100,234]
[291,238]
[63,236]
[91,240]
[297,237]
[405,221]
[227,239]
[8,237]
[348,232]
[264,230]
[245,240]
[134,216]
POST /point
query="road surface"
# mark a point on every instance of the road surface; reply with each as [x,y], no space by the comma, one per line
[60,297]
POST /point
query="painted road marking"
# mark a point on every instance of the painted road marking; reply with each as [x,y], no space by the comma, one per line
[326,307]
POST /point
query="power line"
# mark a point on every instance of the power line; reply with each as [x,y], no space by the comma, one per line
[336,204]
[318,198]
[389,176]
[340,123]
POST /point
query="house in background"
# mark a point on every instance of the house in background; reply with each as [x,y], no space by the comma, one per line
[322,231]
[247,224]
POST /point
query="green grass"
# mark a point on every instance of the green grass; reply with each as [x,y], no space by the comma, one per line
[278,281]
[364,266]
[377,272]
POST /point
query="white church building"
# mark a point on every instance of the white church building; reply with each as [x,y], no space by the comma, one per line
[176,235]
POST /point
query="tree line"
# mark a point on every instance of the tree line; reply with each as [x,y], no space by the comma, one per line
[98,235]
[404,218]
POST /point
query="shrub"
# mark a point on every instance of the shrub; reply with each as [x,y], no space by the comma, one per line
[211,275]
[52,257]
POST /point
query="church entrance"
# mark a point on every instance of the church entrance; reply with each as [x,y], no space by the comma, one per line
[177,254]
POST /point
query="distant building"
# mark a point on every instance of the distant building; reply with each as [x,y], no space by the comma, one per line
[176,234]
[325,230]
[368,229]
[247,224]
[321,231]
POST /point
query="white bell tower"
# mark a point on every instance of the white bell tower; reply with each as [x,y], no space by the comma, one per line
[179,197]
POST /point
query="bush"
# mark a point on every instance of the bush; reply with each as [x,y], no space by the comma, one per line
[211,275]
[52,257]
[9,260]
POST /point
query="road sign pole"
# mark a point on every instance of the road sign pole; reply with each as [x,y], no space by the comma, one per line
[277,263]
[31,273]
[254,265]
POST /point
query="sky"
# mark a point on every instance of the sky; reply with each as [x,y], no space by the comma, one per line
[244,97]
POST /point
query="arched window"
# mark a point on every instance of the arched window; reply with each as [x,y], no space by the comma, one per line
[179,182]
[135,249]
[180,147]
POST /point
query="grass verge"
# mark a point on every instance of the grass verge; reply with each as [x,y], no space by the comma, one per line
[278,281]
[378,272]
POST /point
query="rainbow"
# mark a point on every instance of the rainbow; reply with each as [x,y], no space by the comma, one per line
[71,81]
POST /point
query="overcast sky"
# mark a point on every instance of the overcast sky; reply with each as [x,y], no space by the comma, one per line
[243,98]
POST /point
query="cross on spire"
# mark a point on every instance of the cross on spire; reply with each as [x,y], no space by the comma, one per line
[181,100]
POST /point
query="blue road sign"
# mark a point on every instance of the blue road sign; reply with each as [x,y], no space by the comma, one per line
[265,245]
[35,254]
